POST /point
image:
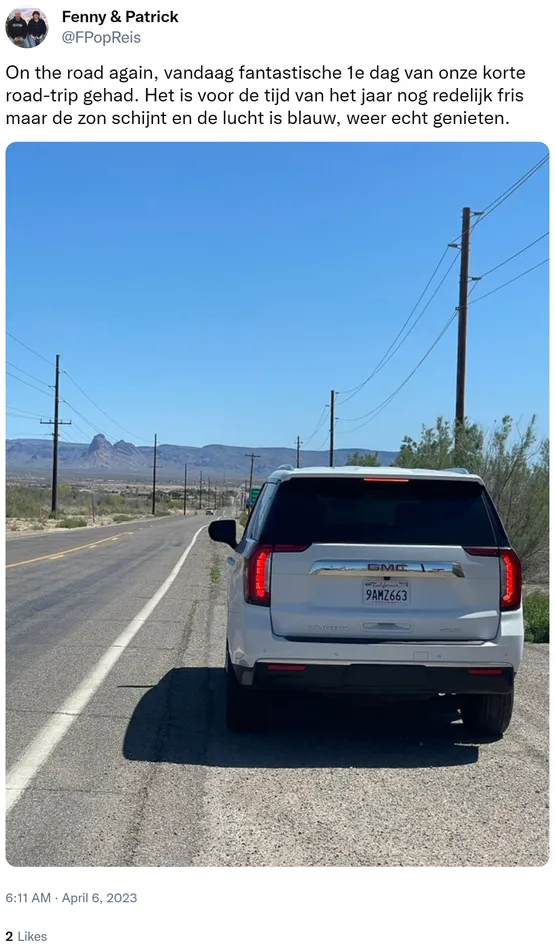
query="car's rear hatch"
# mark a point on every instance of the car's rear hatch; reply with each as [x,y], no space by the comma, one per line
[374,558]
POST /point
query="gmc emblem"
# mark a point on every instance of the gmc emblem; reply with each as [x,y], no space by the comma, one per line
[387,567]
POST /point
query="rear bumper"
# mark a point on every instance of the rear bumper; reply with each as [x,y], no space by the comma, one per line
[375,679]
[251,641]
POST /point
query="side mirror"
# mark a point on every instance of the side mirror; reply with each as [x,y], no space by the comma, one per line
[224,530]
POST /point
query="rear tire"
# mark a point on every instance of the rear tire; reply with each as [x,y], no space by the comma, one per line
[243,710]
[488,714]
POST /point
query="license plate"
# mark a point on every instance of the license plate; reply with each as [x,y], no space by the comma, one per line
[386,592]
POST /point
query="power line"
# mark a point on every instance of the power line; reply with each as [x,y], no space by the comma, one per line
[10,375]
[64,435]
[20,416]
[22,411]
[72,408]
[384,360]
[384,403]
[323,444]
[84,393]
[508,283]
[26,373]
[318,426]
[413,326]
[28,415]
[493,205]
[82,416]
[327,437]
[511,190]
[514,256]
[80,429]
[18,340]
[377,410]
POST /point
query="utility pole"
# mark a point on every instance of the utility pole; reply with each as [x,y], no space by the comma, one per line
[332,425]
[56,422]
[185,492]
[299,441]
[462,308]
[209,491]
[245,495]
[154,478]
[253,457]
[200,492]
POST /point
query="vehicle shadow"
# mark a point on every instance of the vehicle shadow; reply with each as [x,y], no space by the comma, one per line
[181,720]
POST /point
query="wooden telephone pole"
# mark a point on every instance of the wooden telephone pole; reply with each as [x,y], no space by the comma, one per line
[56,423]
[154,478]
[332,426]
[462,308]
[253,457]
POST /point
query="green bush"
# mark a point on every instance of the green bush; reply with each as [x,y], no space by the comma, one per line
[23,502]
[514,465]
[122,518]
[243,520]
[360,459]
[71,522]
[536,618]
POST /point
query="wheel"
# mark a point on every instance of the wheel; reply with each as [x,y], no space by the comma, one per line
[488,714]
[243,711]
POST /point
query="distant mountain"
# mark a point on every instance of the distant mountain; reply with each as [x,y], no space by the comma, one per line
[101,457]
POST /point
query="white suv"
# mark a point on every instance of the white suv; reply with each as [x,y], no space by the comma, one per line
[381,581]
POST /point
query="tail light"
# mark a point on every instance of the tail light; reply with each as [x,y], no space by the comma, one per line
[511,575]
[258,572]
[511,580]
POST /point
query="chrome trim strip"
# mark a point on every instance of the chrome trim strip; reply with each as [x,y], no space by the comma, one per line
[388,568]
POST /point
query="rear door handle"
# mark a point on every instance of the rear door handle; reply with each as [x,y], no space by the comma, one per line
[385,626]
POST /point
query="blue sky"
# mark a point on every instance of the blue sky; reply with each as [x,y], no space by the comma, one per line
[215,293]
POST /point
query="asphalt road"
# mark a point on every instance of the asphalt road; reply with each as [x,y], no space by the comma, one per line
[138,769]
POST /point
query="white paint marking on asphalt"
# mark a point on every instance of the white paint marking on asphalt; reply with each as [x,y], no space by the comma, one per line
[24,771]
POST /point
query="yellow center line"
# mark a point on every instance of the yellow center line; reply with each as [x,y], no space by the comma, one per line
[55,555]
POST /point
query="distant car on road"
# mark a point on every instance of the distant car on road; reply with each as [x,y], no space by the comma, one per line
[209,512]
[379,581]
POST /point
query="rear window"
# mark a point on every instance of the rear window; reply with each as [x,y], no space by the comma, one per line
[352,511]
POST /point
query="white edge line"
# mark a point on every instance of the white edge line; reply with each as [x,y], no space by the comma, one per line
[24,771]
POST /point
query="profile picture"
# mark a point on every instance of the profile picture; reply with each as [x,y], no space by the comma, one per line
[27,27]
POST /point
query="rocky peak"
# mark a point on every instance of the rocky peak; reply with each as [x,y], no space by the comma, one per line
[99,444]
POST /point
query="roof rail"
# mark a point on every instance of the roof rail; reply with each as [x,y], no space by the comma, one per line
[455,469]
[286,466]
